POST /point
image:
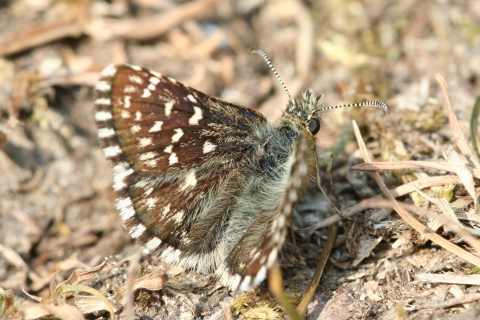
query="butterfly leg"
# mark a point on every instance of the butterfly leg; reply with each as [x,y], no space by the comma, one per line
[326,159]
[321,159]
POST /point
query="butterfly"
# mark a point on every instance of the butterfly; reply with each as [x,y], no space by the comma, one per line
[202,182]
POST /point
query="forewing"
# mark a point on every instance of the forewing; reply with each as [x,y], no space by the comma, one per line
[248,263]
[174,151]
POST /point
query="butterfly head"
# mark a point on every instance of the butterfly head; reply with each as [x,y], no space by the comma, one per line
[306,109]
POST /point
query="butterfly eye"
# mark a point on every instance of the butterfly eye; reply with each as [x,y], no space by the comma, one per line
[314,126]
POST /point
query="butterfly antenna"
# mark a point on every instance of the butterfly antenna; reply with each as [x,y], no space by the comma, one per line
[375,103]
[261,52]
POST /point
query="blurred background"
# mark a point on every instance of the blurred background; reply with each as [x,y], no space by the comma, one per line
[57,210]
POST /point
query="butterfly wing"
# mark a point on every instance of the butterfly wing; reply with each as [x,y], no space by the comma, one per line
[174,150]
[182,161]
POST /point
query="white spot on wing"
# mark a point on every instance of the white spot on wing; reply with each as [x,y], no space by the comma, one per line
[170,254]
[168,149]
[135,78]
[125,206]
[129,89]
[137,68]
[103,116]
[235,282]
[273,227]
[197,116]
[168,107]
[126,101]
[135,128]
[145,142]
[261,274]
[112,151]
[151,202]
[178,217]
[146,93]
[172,159]
[151,163]
[148,192]
[105,132]
[246,283]
[147,156]
[189,182]
[137,231]
[125,114]
[154,80]
[120,172]
[153,243]
[156,127]
[178,134]
[276,237]
[255,254]
[191,98]
[166,209]
[272,257]
[103,101]
[292,195]
[102,86]
[208,147]
[281,221]
[138,116]
[156,74]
